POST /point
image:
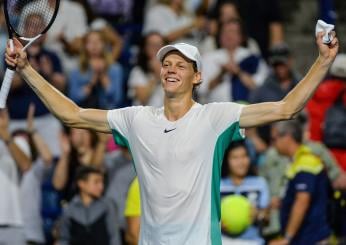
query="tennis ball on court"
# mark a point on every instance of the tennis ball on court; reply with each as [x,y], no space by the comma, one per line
[235,214]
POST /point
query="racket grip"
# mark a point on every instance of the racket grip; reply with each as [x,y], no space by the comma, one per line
[5,87]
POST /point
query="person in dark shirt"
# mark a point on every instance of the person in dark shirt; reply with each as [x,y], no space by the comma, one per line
[276,86]
[303,213]
[89,218]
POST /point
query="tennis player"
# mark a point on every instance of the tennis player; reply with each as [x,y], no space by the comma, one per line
[178,149]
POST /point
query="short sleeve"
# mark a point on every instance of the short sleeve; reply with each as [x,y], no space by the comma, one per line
[264,198]
[133,203]
[305,182]
[120,120]
[224,115]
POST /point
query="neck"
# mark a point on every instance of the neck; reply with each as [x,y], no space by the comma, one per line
[86,199]
[175,108]
[236,179]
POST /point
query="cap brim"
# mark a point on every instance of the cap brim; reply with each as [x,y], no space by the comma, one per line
[168,48]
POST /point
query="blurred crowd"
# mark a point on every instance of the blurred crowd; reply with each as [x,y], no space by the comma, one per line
[72,186]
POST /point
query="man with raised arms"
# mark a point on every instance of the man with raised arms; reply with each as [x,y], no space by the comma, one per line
[178,149]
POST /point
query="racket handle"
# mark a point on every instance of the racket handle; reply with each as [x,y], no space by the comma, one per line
[5,87]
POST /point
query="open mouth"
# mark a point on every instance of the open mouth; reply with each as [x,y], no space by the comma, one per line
[172,80]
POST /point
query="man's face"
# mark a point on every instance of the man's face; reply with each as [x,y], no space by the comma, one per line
[93,185]
[282,70]
[230,36]
[178,75]
[238,161]
[280,142]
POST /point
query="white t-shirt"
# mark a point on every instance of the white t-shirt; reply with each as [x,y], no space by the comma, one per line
[30,191]
[138,78]
[178,166]
[213,63]
[162,19]
[10,209]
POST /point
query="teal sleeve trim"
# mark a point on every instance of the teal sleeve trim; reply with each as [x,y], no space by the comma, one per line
[232,133]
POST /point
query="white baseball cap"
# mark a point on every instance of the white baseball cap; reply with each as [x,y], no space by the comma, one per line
[189,51]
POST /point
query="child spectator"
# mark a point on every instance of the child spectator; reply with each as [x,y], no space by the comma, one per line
[236,181]
[89,218]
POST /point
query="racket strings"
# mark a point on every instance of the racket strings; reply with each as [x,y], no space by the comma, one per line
[29,18]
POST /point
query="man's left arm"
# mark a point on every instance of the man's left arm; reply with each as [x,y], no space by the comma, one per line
[298,211]
[264,113]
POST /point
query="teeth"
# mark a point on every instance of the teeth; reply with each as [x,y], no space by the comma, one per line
[171,79]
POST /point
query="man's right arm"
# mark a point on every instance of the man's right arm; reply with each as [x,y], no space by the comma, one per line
[64,108]
[61,106]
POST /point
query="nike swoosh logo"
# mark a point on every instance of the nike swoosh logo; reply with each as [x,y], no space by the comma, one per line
[169,130]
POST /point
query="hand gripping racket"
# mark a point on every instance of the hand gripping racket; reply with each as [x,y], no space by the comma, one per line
[27,20]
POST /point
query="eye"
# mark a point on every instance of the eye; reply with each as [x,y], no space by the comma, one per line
[181,67]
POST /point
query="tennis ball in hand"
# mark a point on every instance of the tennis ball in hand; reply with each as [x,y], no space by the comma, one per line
[235,214]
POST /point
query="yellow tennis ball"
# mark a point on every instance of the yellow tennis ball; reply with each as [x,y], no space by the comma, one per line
[235,214]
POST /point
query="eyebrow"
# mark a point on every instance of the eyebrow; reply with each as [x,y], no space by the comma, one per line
[178,62]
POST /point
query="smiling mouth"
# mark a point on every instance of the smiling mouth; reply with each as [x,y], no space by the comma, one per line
[171,80]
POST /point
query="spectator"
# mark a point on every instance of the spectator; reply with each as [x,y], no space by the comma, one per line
[31,181]
[325,98]
[133,213]
[89,218]
[273,170]
[168,19]
[14,156]
[237,181]
[21,96]
[144,79]
[114,11]
[114,42]
[276,86]
[233,71]
[81,148]
[228,10]
[67,30]
[98,82]
[303,213]
[263,21]
[120,172]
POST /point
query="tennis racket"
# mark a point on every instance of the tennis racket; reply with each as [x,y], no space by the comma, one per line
[26,20]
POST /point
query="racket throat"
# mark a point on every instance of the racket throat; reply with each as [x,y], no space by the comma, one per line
[29,40]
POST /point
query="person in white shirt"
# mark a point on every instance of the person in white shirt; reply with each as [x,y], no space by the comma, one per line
[233,71]
[14,156]
[144,78]
[178,149]
[170,20]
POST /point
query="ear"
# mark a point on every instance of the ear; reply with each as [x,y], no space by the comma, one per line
[80,184]
[198,78]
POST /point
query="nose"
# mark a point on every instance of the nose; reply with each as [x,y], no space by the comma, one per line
[171,69]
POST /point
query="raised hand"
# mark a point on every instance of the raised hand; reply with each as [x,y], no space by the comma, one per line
[65,144]
[16,58]
[30,118]
[329,51]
